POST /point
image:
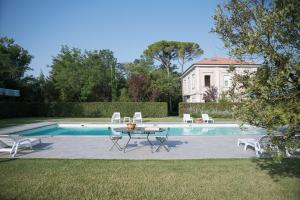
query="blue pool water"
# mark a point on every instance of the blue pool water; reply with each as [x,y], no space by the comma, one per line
[205,131]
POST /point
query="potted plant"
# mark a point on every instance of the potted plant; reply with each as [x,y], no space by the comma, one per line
[197,117]
[131,125]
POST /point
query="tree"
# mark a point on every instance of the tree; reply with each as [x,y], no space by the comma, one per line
[210,94]
[83,76]
[165,88]
[187,51]
[113,81]
[14,62]
[164,52]
[268,30]
[138,75]
[138,87]
[37,89]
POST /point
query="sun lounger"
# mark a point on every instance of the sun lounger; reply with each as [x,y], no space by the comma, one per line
[187,118]
[116,117]
[259,145]
[12,144]
[137,117]
[207,119]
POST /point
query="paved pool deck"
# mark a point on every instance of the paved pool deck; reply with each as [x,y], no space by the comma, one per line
[97,147]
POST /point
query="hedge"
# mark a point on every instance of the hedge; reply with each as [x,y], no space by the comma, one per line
[90,109]
[223,110]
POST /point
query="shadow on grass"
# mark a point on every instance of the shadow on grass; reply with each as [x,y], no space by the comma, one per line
[288,167]
[4,160]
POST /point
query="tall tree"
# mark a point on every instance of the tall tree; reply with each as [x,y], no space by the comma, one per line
[82,76]
[268,30]
[187,51]
[163,51]
[113,81]
[138,87]
[14,62]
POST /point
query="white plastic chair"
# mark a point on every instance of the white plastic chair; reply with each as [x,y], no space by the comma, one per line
[12,144]
[187,118]
[137,117]
[116,117]
[207,119]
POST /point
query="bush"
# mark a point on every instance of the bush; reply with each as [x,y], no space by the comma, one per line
[90,109]
[222,110]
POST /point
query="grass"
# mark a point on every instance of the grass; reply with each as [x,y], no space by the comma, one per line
[129,179]
[19,121]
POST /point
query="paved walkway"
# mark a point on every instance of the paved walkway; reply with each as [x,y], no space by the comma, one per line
[97,147]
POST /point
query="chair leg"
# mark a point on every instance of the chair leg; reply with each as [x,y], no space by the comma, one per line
[15,150]
[115,144]
[162,144]
[245,147]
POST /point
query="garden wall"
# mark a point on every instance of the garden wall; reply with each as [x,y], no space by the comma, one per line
[90,109]
[223,110]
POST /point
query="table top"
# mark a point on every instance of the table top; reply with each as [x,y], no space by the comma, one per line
[138,130]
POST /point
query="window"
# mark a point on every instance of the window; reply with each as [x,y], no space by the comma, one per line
[207,80]
[189,84]
[227,81]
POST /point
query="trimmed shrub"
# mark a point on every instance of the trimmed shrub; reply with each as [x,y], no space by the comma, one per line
[89,109]
[223,110]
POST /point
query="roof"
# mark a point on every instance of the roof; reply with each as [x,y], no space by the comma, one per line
[217,60]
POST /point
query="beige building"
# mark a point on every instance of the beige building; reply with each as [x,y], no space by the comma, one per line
[211,72]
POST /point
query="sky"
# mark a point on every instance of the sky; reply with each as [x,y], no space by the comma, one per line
[126,27]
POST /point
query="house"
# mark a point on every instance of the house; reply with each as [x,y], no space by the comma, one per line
[211,72]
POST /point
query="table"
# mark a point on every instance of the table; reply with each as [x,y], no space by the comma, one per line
[138,133]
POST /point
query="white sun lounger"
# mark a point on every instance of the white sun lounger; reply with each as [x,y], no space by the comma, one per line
[137,117]
[12,144]
[116,117]
[259,145]
[207,119]
[187,118]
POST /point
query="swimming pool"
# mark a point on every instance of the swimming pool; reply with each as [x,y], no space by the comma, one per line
[174,131]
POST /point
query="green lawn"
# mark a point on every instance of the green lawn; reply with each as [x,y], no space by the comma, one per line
[19,121]
[128,179]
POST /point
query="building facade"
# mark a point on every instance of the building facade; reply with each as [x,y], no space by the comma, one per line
[211,72]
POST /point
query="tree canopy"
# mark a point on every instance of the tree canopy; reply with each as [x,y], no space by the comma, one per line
[268,31]
[187,51]
[166,51]
[83,76]
[14,62]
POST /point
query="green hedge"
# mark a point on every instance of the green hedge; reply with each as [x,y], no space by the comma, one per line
[222,110]
[91,109]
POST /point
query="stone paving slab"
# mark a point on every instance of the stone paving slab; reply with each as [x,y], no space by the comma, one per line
[97,147]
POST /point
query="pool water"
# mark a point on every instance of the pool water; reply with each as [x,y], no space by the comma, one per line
[201,131]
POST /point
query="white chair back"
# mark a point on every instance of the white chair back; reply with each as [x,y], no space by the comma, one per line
[137,115]
[205,117]
[186,116]
[116,115]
